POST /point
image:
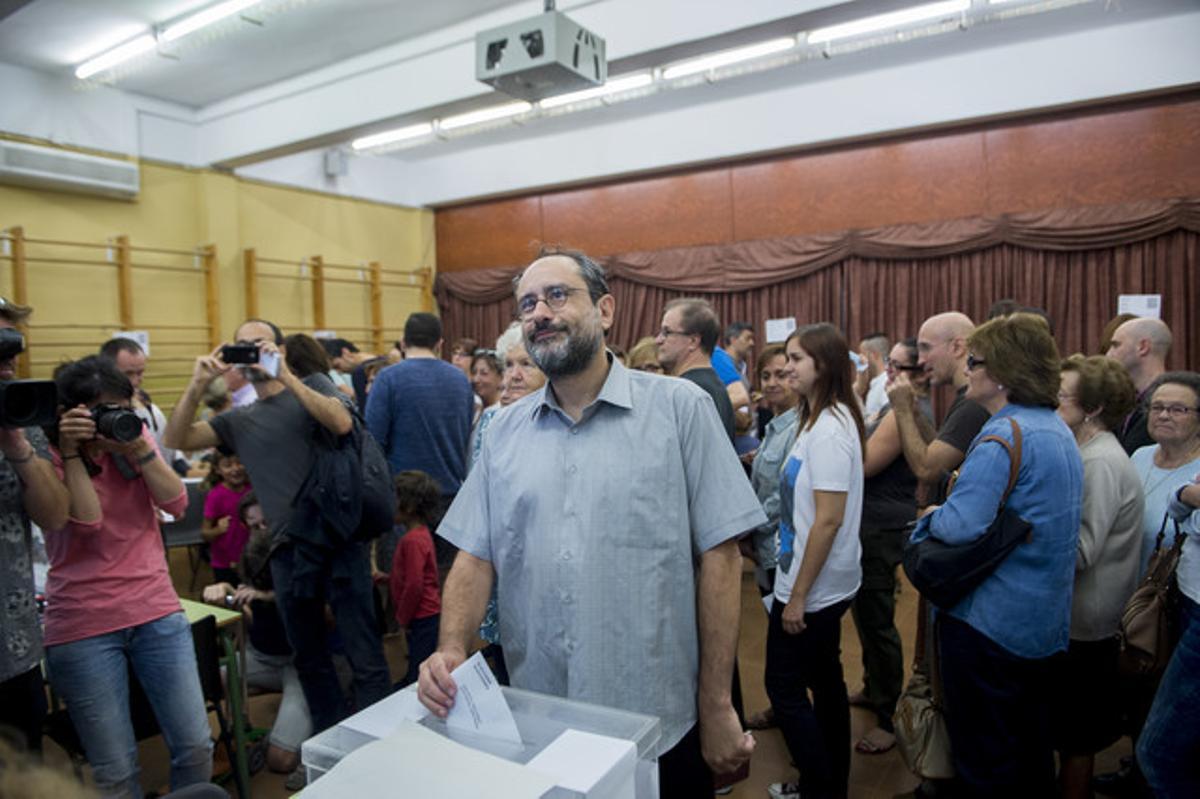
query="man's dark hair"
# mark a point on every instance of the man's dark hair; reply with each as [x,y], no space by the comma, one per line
[338,345]
[114,346]
[876,342]
[422,330]
[734,330]
[335,346]
[1005,307]
[698,319]
[592,273]
[255,560]
[276,333]
[305,356]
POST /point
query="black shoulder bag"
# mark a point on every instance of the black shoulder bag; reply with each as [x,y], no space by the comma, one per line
[946,573]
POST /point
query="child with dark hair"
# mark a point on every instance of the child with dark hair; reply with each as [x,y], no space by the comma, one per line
[414,577]
[222,527]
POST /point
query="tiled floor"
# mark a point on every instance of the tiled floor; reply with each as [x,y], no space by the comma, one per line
[871,776]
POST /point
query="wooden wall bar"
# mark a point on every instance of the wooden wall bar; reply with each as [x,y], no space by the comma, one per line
[1144,150]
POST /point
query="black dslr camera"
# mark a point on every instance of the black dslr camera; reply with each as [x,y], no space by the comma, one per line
[117,422]
[24,403]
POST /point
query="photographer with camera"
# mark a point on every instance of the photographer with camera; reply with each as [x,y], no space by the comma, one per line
[29,490]
[274,438]
[112,604]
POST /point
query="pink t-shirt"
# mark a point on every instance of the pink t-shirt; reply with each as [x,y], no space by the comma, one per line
[112,574]
[226,550]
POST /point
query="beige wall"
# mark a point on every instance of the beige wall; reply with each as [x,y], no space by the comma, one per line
[77,307]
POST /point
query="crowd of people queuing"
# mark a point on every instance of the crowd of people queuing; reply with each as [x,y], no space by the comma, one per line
[581,516]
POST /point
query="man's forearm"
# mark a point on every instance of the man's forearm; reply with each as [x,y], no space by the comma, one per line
[464,601]
[47,500]
[176,433]
[912,442]
[719,611]
[328,411]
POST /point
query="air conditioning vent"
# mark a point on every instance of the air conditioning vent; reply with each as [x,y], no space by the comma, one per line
[62,170]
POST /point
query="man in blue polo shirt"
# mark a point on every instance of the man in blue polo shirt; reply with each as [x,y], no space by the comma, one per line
[730,361]
[419,411]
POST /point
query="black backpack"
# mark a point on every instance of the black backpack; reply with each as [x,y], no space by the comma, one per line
[349,492]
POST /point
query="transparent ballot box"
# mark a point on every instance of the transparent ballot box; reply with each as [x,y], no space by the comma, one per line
[540,720]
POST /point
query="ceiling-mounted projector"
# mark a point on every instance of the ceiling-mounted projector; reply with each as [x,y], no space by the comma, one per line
[540,57]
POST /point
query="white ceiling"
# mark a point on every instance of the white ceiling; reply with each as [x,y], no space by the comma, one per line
[287,38]
[268,99]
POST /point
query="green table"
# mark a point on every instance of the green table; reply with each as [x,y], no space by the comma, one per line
[229,622]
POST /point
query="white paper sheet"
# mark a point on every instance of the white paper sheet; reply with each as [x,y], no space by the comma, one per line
[479,706]
[580,761]
[1140,305]
[385,716]
[779,329]
[414,761]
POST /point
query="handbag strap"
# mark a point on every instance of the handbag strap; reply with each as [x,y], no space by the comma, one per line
[1162,533]
[1014,457]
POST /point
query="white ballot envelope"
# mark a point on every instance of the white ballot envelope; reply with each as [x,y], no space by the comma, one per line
[479,706]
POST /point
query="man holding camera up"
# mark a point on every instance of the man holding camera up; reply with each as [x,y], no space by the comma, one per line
[274,438]
[29,489]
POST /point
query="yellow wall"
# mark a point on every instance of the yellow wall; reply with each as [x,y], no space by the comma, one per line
[76,306]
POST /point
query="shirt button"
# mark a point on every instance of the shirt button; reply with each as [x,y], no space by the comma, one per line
[572,469]
[566,555]
[566,599]
[574,431]
[570,646]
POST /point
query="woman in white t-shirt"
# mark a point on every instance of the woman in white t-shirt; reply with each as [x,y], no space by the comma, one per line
[818,571]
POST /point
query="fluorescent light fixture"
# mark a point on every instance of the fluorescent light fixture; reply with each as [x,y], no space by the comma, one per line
[393,136]
[131,49]
[727,57]
[205,18]
[622,84]
[485,115]
[894,19]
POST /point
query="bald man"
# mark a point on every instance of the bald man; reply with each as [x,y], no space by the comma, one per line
[942,353]
[1141,345]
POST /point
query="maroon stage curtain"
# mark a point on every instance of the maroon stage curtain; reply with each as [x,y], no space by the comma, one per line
[1072,262]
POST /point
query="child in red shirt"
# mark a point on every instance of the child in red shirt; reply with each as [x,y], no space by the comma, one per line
[414,577]
[222,527]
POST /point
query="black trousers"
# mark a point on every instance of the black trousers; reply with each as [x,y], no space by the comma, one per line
[817,733]
[998,715]
[23,706]
[874,612]
[682,771]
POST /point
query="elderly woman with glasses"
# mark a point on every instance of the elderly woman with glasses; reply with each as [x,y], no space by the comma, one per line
[996,646]
[1170,471]
[1095,396]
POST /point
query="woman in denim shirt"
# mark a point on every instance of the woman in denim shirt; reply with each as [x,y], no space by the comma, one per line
[996,645]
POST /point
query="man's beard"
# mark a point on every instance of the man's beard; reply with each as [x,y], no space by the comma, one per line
[566,357]
[253,375]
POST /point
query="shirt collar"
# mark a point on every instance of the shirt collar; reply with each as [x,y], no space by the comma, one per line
[615,391]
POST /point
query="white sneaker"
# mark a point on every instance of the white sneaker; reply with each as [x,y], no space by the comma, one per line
[784,790]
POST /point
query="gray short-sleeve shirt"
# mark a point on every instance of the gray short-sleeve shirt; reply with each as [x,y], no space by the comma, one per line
[274,439]
[594,530]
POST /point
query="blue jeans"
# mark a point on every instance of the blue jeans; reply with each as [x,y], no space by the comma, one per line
[1169,747]
[92,677]
[345,580]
